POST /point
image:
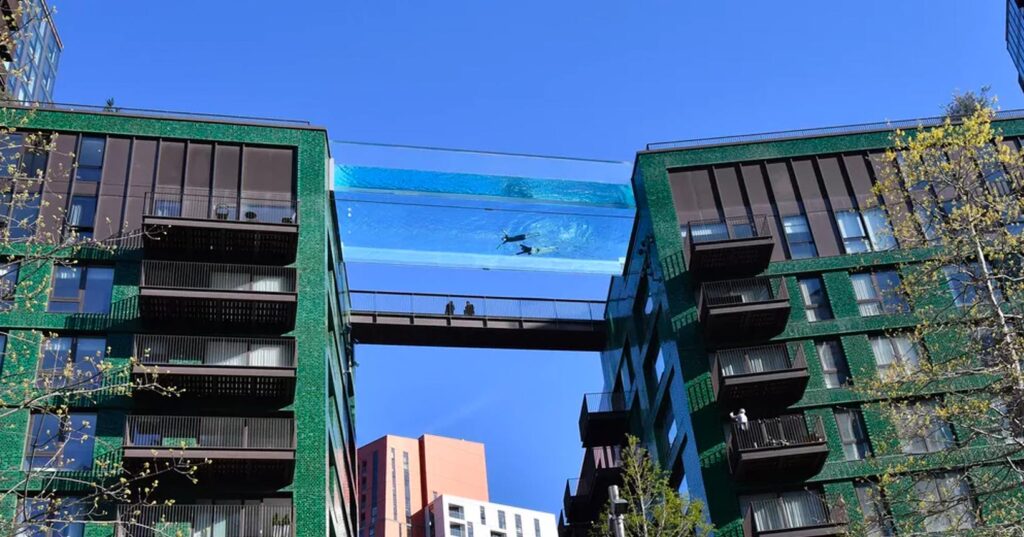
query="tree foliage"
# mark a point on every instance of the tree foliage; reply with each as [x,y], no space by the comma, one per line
[954,398]
[654,509]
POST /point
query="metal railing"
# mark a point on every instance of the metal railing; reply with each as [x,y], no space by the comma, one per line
[476,306]
[745,291]
[150,112]
[605,402]
[732,228]
[819,131]
[752,361]
[775,433]
[232,208]
[804,509]
[197,351]
[206,520]
[218,277]
[209,432]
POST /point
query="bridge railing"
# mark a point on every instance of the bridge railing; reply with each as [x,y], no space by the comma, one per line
[476,306]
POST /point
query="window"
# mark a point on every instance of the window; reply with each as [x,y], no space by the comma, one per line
[519,525]
[60,442]
[985,345]
[19,212]
[469,529]
[80,289]
[877,522]
[8,285]
[456,529]
[895,354]
[456,512]
[536,527]
[816,304]
[967,285]
[786,510]
[501,519]
[945,502]
[71,362]
[920,430]
[45,517]
[654,368]
[483,515]
[798,237]
[833,363]
[853,434]
[90,158]
[81,217]
[866,231]
[408,492]
[667,425]
[878,292]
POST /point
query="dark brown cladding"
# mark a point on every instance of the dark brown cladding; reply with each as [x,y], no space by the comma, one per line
[133,167]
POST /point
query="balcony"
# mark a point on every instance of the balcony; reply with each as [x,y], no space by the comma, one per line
[585,497]
[232,228]
[735,312]
[215,297]
[730,248]
[569,529]
[765,376]
[254,448]
[777,449]
[249,520]
[796,514]
[604,419]
[219,367]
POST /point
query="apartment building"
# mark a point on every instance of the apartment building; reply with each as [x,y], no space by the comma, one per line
[454,516]
[32,54]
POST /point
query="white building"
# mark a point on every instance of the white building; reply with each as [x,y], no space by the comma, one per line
[452,516]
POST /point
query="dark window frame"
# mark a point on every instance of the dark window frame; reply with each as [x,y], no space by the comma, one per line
[97,168]
[889,302]
[83,281]
[792,246]
[820,311]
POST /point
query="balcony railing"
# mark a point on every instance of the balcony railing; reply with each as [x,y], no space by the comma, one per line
[218,277]
[733,228]
[745,310]
[193,351]
[783,431]
[206,520]
[728,248]
[604,419]
[476,306]
[193,432]
[766,375]
[226,208]
[744,291]
[793,512]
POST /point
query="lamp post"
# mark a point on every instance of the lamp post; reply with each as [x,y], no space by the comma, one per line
[618,511]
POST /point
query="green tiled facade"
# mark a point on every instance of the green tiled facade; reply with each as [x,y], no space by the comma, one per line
[322,487]
[656,260]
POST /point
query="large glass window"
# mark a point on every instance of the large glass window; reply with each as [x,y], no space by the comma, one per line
[519,525]
[853,434]
[816,305]
[877,521]
[798,237]
[80,289]
[456,512]
[786,510]
[81,216]
[90,158]
[60,442]
[945,502]
[501,519]
[833,363]
[51,517]
[968,286]
[879,292]
[866,231]
[895,354]
[921,430]
[71,362]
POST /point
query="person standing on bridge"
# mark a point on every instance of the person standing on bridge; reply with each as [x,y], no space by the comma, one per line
[470,309]
[449,308]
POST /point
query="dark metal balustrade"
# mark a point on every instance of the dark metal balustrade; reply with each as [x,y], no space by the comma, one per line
[159,520]
[750,310]
[217,297]
[777,449]
[477,321]
[728,248]
[205,227]
[758,377]
[220,367]
[585,497]
[604,419]
[808,514]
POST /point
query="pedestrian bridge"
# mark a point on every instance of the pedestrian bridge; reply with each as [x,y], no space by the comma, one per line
[440,320]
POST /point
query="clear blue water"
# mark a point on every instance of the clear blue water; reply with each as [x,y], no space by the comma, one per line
[459,220]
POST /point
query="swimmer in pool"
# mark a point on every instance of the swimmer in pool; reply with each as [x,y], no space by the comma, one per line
[506,238]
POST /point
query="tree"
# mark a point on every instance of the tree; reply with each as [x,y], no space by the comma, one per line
[950,390]
[654,509]
[40,381]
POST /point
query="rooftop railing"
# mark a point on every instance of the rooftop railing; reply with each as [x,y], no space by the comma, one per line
[149,112]
[732,228]
[476,306]
[194,351]
[227,208]
[206,520]
[218,277]
[176,432]
[780,432]
[805,509]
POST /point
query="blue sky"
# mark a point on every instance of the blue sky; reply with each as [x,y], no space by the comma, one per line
[593,78]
